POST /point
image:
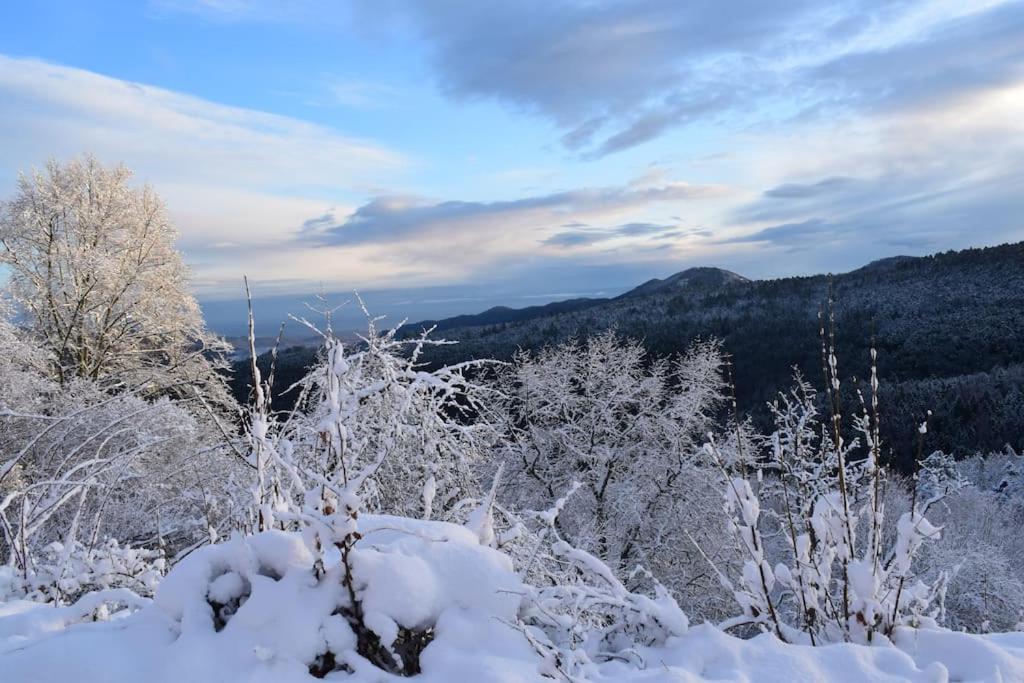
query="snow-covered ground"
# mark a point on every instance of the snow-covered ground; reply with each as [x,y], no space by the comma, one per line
[427,577]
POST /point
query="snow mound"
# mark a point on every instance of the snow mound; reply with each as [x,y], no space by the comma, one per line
[254,610]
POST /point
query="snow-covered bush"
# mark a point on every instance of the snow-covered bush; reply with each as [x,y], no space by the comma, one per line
[96,466]
[373,430]
[63,574]
[370,407]
[577,614]
[402,586]
[983,552]
[837,574]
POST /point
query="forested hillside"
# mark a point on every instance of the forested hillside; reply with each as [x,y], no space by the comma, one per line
[948,329]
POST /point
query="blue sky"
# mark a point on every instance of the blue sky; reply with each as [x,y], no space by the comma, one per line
[531,149]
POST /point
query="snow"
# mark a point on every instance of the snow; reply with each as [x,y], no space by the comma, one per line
[409,573]
[274,617]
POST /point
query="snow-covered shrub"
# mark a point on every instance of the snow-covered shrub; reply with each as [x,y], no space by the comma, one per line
[983,552]
[577,614]
[63,574]
[78,464]
[372,430]
[837,574]
[370,407]
[428,595]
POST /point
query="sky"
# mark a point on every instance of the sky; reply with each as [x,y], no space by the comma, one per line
[444,155]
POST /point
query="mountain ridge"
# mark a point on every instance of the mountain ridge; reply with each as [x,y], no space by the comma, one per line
[705,277]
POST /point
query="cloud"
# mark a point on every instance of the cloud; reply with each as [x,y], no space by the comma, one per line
[805,191]
[926,210]
[952,59]
[593,66]
[942,174]
[614,75]
[62,111]
[790,234]
[575,238]
[233,178]
[391,219]
[907,214]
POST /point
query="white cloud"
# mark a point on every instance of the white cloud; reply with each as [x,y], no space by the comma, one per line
[56,110]
[230,176]
[922,179]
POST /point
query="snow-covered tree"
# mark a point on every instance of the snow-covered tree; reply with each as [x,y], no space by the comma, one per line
[96,277]
[627,428]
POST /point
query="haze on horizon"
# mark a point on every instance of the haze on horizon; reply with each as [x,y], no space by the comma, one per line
[456,155]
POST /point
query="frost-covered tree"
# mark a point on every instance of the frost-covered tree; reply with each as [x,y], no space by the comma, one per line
[97,279]
[627,428]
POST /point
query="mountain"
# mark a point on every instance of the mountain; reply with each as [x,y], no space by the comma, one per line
[503,314]
[699,278]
